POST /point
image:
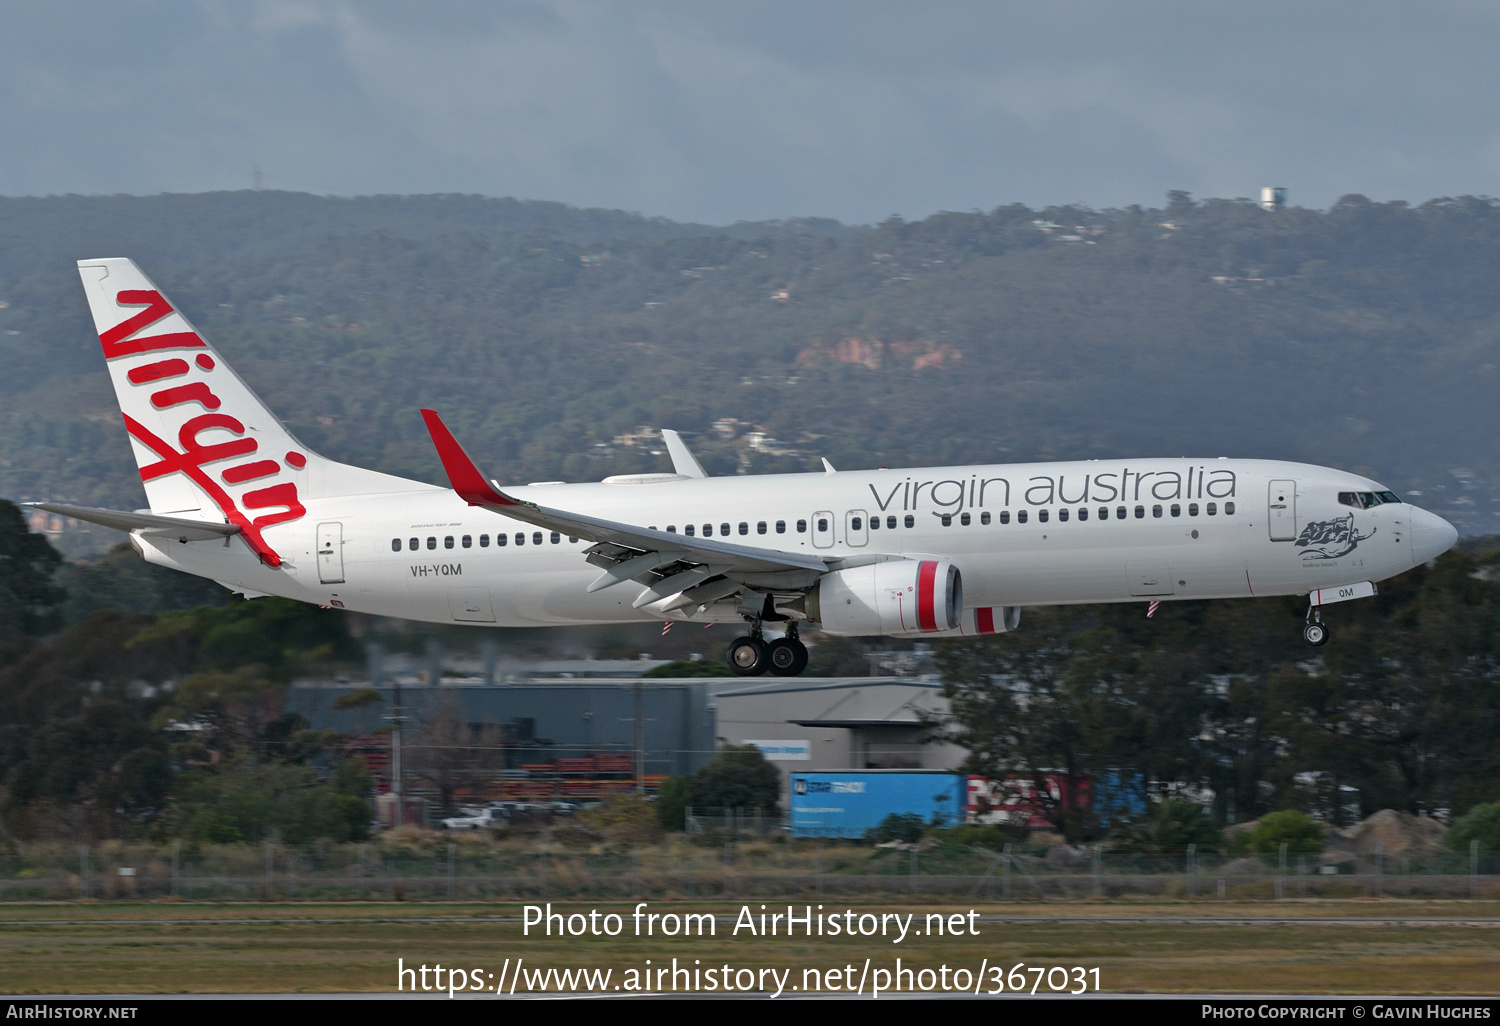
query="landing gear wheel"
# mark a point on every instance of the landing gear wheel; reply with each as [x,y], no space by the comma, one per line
[1315,633]
[747,656]
[787,656]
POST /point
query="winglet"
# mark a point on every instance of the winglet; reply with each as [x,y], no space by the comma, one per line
[683,461]
[465,477]
[828,467]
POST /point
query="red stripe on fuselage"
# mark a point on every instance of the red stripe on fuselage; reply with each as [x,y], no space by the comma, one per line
[926,595]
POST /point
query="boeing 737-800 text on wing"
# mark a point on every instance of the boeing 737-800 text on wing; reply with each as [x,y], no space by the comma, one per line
[935,552]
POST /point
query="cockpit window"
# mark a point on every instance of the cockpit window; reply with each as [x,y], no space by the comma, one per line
[1364,500]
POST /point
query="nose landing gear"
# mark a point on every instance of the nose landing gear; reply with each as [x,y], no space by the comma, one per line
[1315,632]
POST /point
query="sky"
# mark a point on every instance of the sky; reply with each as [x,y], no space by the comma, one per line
[724,111]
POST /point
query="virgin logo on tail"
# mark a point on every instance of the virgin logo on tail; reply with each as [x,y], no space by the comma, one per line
[194,454]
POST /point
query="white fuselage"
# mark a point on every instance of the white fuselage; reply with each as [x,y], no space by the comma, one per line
[1022,534]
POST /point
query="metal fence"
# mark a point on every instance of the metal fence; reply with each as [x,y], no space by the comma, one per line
[735,868]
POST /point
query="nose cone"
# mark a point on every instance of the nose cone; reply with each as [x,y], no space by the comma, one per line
[1431,535]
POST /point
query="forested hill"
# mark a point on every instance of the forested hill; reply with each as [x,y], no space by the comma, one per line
[1365,337]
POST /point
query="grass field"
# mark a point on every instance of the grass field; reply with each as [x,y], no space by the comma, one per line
[1314,947]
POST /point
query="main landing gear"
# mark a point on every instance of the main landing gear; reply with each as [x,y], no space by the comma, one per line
[1316,631]
[752,655]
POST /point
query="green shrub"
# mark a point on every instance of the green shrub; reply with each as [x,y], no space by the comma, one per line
[1167,827]
[898,826]
[1301,834]
[1481,823]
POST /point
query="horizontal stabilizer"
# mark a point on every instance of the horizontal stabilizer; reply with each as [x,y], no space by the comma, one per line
[179,527]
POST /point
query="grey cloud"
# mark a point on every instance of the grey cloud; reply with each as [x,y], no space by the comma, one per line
[748,110]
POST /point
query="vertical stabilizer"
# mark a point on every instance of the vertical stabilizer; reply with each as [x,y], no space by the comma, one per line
[206,445]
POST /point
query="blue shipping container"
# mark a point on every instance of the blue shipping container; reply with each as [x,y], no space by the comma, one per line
[850,803]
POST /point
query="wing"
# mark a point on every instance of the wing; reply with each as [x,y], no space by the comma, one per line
[689,571]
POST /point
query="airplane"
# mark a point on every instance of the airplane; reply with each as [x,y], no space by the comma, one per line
[924,552]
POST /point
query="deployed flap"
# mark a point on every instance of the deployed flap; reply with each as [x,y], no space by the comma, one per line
[472,487]
[191,530]
[683,460]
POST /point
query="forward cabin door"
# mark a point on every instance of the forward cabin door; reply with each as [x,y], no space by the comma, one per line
[330,553]
[1282,514]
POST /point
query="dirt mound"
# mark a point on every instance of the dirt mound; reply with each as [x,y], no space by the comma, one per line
[1397,833]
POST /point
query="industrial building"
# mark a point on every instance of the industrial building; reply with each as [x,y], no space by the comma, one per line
[533,738]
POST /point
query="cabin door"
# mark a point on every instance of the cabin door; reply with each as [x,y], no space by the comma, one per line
[330,553]
[1282,513]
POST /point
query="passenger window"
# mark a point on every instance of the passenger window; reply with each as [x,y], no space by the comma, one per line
[1103,512]
[984,518]
[781,527]
[1192,509]
[1005,516]
[431,542]
[556,537]
[1156,512]
[536,537]
[501,539]
[1211,508]
[745,528]
[1062,515]
[874,523]
[947,519]
[689,530]
[520,538]
[1083,512]
[801,526]
[1140,512]
[395,544]
[1176,510]
[890,522]
[467,541]
[822,524]
[1020,516]
[964,519]
[448,542]
[1119,512]
[572,540]
[413,544]
[1229,509]
[484,541]
[671,528]
[708,530]
[1042,515]
[724,530]
[760,527]
[910,521]
[856,524]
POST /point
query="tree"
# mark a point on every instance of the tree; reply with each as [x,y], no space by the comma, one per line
[672,801]
[1301,834]
[28,596]
[738,777]
[448,752]
[1482,824]
[1167,828]
[1039,707]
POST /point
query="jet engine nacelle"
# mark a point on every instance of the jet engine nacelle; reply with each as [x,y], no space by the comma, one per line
[898,597]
